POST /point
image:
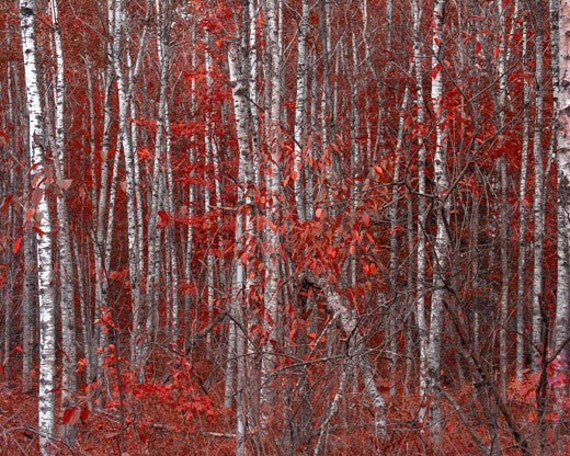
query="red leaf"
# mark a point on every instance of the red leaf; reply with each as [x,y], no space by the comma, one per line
[4,139]
[30,211]
[6,201]
[435,71]
[84,414]
[38,231]
[165,219]
[81,365]
[71,416]
[16,245]
[64,184]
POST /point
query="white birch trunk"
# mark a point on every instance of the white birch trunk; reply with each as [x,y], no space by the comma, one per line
[560,333]
[538,204]
[174,307]
[504,222]
[422,212]
[300,128]
[326,99]
[238,64]
[441,245]
[211,158]
[521,264]
[254,8]
[66,295]
[189,244]
[156,183]
[271,256]
[104,205]
[41,220]
[133,222]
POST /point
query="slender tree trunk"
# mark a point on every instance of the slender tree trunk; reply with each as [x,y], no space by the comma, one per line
[66,295]
[170,235]
[133,221]
[560,333]
[189,244]
[272,257]
[521,265]
[37,214]
[85,308]
[211,155]
[86,318]
[325,114]
[104,205]
[504,222]
[393,242]
[300,129]
[441,205]
[28,305]
[422,211]
[538,204]
[157,183]
[239,77]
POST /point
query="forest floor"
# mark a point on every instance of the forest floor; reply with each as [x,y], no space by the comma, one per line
[176,421]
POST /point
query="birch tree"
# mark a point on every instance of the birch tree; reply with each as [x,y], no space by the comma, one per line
[157,183]
[273,183]
[37,215]
[133,217]
[504,222]
[523,211]
[238,64]
[104,215]
[66,295]
[538,203]
[29,284]
[441,245]
[560,335]
[422,209]
[300,128]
